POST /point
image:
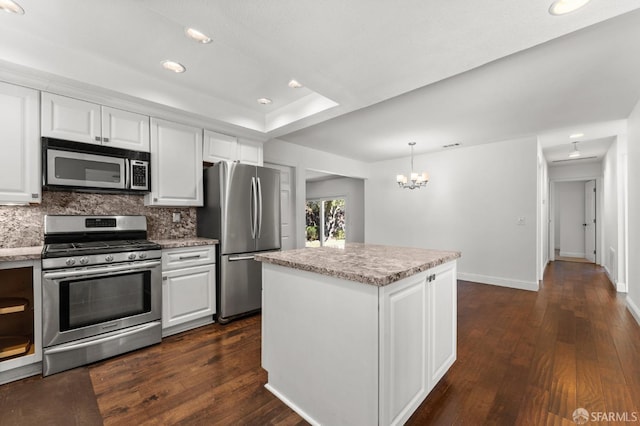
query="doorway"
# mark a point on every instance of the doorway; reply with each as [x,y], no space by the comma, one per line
[287,205]
[573,234]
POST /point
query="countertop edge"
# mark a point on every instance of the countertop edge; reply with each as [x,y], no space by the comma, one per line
[185,242]
[15,254]
[378,280]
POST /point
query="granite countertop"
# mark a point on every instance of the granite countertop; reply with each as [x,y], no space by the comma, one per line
[20,253]
[373,264]
[186,242]
[14,254]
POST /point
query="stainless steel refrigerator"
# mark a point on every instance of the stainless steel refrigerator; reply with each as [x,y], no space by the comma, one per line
[242,210]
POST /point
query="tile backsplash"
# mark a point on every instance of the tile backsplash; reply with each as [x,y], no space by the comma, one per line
[22,226]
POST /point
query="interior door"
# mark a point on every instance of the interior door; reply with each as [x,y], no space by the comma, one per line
[590,220]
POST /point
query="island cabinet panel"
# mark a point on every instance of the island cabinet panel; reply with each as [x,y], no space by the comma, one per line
[320,345]
[404,355]
[442,311]
[343,352]
[418,339]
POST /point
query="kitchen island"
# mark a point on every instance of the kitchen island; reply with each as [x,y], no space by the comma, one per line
[358,335]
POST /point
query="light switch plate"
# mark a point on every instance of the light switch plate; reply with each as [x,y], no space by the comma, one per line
[176,217]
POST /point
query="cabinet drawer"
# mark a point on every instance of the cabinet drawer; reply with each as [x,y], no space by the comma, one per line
[185,257]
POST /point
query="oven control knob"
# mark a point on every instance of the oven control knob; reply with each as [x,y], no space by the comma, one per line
[142,255]
[71,261]
[132,256]
[84,260]
[109,258]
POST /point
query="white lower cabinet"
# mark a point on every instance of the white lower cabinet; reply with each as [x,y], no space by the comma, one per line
[418,333]
[342,352]
[20,320]
[188,288]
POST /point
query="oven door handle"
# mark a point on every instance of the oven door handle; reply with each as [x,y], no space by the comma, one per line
[93,341]
[102,270]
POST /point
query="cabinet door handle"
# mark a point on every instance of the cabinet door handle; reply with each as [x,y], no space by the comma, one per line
[196,256]
[98,138]
[105,139]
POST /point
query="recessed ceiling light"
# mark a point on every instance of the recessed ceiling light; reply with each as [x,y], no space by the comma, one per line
[173,66]
[197,36]
[562,7]
[576,135]
[10,6]
[264,101]
[294,84]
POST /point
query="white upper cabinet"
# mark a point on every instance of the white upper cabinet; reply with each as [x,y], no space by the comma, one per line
[249,152]
[20,174]
[176,165]
[70,119]
[219,147]
[124,129]
[81,121]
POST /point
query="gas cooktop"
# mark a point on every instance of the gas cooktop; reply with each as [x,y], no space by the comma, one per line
[96,247]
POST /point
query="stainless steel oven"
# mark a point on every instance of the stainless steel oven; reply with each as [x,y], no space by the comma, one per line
[100,297]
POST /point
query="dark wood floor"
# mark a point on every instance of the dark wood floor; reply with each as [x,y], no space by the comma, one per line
[523,358]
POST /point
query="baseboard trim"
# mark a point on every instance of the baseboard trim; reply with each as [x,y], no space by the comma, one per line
[571,254]
[187,326]
[611,280]
[502,282]
[20,373]
[634,309]
[291,405]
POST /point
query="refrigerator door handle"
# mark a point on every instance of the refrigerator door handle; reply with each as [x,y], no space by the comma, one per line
[259,208]
[236,258]
[254,207]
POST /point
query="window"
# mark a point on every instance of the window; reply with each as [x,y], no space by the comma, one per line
[326,225]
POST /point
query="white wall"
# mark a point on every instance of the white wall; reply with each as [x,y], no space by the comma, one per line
[586,171]
[570,208]
[472,204]
[301,158]
[353,192]
[633,281]
[610,213]
[542,245]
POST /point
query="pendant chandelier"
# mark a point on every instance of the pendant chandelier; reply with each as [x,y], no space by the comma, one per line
[415,180]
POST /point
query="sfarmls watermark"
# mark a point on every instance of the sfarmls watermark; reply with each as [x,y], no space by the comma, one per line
[581,416]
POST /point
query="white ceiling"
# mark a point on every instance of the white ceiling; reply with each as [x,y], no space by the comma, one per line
[381,73]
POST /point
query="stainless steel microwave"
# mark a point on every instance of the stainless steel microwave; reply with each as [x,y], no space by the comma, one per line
[75,166]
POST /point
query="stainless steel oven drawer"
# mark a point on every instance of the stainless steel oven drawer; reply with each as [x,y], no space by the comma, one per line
[84,351]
